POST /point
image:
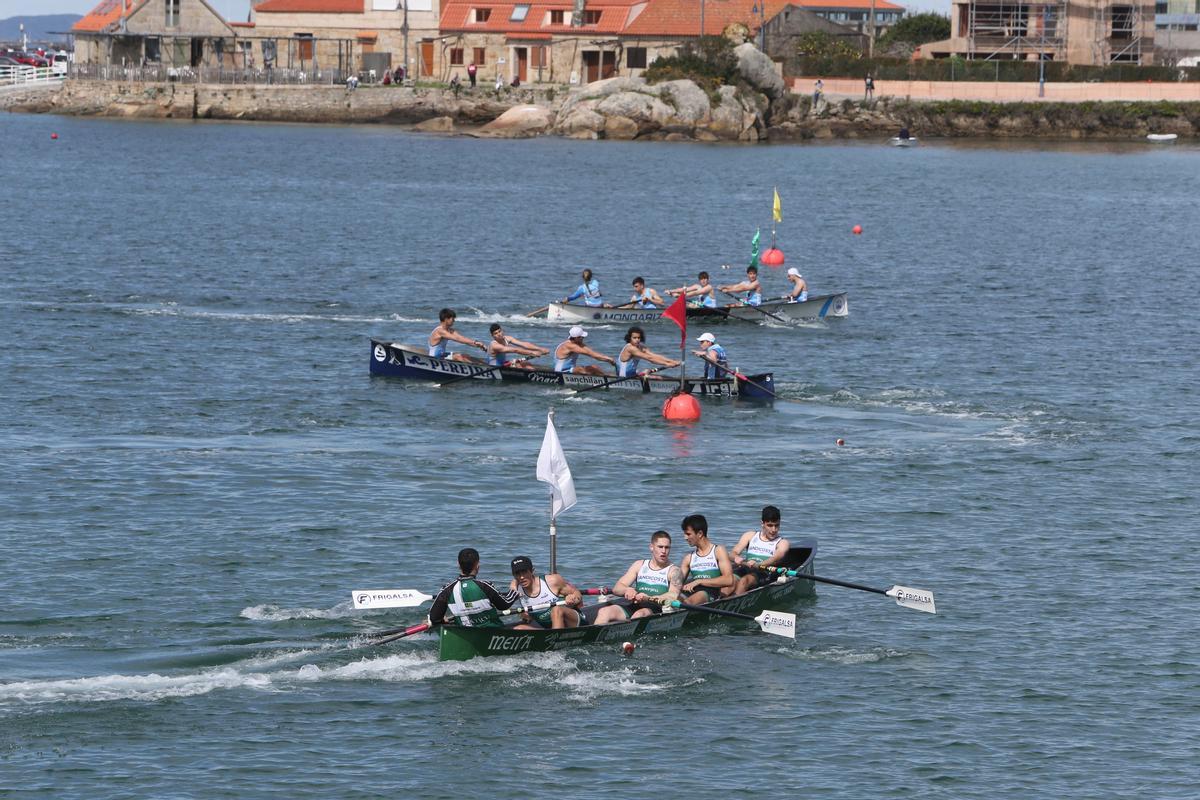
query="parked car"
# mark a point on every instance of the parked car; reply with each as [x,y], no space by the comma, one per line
[30,59]
[59,67]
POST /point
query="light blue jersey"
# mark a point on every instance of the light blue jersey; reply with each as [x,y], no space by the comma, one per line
[566,364]
[642,301]
[753,298]
[590,292]
[712,370]
[628,369]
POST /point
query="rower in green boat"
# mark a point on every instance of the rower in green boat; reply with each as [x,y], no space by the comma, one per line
[470,600]
[707,571]
[556,600]
[757,550]
[647,585]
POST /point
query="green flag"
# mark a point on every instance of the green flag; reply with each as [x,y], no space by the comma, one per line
[754,249]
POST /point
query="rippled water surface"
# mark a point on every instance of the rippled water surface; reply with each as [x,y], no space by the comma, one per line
[198,467]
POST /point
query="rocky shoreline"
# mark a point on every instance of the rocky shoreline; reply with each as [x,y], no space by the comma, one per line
[619,108]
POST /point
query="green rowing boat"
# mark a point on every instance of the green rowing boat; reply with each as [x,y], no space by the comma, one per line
[459,643]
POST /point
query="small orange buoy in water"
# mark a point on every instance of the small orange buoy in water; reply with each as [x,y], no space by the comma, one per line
[841,442]
[627,648]
[54,136]
[856,230]
[772,257]
[681,408]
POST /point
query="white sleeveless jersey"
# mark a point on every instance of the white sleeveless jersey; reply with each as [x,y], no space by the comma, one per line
[544,597]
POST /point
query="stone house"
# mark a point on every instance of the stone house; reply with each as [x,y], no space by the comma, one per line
[178,33]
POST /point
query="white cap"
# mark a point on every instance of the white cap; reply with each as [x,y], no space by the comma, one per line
[794,271]
[706,337]
[577,332]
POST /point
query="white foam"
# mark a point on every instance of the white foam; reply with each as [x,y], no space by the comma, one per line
[844,655]
[130,687]
[274,613]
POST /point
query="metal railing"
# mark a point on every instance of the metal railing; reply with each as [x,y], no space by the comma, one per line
[23,75]
[160,73]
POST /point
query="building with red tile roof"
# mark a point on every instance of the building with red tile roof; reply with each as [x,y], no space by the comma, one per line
[176,32]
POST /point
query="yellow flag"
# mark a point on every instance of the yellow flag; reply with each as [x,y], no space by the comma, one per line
[778,207]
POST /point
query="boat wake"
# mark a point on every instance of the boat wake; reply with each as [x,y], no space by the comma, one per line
[274,613]
[843,655]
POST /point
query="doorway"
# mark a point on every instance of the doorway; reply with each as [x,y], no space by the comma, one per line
[426,59]
[522,54]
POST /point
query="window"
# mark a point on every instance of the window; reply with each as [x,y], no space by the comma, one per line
[591,17]
[172,17]
[304,47]
[519,12]
[635,58]
[153,50]
[556,17]
[456,56]
[482,14]
[538,56]
[480,56]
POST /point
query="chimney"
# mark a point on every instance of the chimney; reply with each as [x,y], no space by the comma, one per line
[577,13]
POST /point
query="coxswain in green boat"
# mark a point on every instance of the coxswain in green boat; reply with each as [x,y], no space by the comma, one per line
[707,570]
[757,550]
[445,333]
[538,592]
[647,585]
[472,602]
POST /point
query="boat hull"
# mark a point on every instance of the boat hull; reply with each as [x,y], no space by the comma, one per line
[898,142]
[812,310]
[396,361]
[459,643]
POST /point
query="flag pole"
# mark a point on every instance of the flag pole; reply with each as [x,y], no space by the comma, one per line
[553,522]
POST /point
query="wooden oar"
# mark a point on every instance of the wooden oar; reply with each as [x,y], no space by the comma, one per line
[410,631]
[541,310]
[756,308]
[740,376]
[779,623]
[917,599]
[637,377]
[411,598]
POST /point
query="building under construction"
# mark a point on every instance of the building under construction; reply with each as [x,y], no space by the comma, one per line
[1092,32]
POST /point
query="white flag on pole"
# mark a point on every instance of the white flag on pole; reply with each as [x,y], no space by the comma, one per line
[552,469]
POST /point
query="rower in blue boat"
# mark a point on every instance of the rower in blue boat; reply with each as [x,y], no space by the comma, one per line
[471,601]
[635,351]
[556,601]
[644,297]
[589,290]
[444,333]
[757,550]
[714,354]
[699,294]
[799,290]
[707,570]
[750,286]
[566,355]
[647,585]
[502,346]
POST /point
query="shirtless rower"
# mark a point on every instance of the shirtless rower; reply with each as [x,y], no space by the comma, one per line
[445,333]
[643,297]
[707,569]
[647,585]
[799,290]
[567,354]
[635,351]
[501,346]
[750,286]
[699,294]
[758,549]
[533,592]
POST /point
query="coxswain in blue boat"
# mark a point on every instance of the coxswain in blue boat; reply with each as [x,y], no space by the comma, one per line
[502,346]
[444,333]
[758,549]
[750,286]
[646,585]
[699,294]
[635,351]
[799,291]
[589,290]
[714,354]
[537,592]
[471,601]
[644,297]
[707,570]
[566,355]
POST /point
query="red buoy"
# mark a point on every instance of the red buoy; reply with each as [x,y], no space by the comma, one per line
[856,230]
[681,408]
[54,136]
[772,257]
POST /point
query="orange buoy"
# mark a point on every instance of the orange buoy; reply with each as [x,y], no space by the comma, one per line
[681,408]
[54,136]
[841,442]
[772,257]
[856,230]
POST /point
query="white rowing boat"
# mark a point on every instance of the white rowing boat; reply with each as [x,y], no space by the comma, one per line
[817,307]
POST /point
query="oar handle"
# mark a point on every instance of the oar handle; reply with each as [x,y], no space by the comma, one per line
[834,581]
[415,629]
[601,590]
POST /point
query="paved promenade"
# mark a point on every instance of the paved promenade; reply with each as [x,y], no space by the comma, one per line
[1004,92]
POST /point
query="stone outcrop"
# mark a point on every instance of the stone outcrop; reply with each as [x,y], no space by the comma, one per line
[759,71]
[519,122]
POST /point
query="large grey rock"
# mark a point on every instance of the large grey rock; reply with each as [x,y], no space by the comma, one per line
[759,71]
[689,100]
[436,125]
[732,120]
[648,112]
[519,122]
[578,121]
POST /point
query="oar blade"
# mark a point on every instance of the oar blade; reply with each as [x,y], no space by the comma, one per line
[779,623]
[389,598]
[916,599]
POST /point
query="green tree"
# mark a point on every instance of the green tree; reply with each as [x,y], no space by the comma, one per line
[819,44]
[710,62]
[917,30]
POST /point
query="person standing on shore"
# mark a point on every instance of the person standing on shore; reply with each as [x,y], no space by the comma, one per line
[818,90]
[870,90]
[471,70]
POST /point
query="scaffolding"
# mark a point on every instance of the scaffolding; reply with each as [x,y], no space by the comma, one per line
[1015,30]
[1118,27]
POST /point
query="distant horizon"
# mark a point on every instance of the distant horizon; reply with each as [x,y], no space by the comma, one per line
[236,10]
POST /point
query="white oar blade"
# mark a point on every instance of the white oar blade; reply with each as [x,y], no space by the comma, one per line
[777,622]
[917,599]
[389,598]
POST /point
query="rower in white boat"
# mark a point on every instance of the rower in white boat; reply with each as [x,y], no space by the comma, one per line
[644,297]
[635,351]
[566,355]
[647,585]
[707,570]
[750,286]
[556,601]
[699,294]
[799,290]
[757,550]
[502,346]
[444,333]
[589,290]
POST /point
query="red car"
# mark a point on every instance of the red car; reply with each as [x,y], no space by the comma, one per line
[30,59]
